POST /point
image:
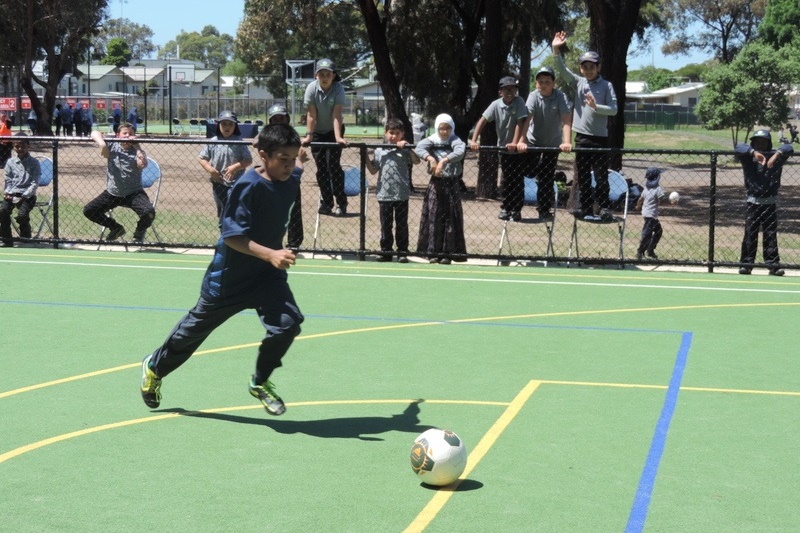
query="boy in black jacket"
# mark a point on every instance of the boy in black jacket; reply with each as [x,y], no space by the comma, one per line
[762,178]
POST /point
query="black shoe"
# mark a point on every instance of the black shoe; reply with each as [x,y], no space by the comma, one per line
[504,215]
[444,261]
[578,213]
[340,211]
[639,256]
[516,216]
[7,244]
[265,392]
[325,210]
[115,233]
[776,272]
[545,215]
[433,260]
[383,258]
[652,254]
[138,235]
[402,259]
[744,271]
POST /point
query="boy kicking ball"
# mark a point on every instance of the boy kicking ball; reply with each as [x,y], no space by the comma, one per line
[248,271]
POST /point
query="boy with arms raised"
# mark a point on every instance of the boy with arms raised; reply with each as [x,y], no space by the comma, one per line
[248,271]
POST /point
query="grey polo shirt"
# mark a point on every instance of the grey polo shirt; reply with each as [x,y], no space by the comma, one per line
[22,176]
[324,102]
[585,119]
[546,122]
[505,118]
[123,177]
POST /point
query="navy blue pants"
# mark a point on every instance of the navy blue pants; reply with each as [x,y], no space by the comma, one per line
[651,234]
[763,217]
[276,309]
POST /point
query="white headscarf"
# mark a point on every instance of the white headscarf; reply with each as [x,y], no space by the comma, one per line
[444,117]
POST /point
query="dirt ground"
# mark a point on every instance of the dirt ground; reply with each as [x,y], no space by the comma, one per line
[186,212]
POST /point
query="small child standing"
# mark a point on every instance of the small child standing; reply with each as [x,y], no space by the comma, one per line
[225,162]
[394,189]
[648,203]
[22,181]
[441,227]
[126,159]
[248,271]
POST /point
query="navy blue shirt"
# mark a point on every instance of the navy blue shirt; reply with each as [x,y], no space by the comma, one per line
[258,209]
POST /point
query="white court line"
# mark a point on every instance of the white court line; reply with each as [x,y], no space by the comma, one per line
[437,278]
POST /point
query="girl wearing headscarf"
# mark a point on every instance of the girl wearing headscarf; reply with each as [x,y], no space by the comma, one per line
[441,228]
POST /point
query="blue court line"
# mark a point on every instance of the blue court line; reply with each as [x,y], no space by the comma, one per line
[644,492]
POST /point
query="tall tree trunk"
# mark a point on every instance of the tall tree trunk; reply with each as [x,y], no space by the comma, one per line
[611,28]
[493,62]
[376,31]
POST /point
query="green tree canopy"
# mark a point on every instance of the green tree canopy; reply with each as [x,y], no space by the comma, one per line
[208,46]
[138,36]
[118,53]
[752,90]
[781,24]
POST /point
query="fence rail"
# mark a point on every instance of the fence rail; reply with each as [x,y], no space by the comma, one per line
[705,228]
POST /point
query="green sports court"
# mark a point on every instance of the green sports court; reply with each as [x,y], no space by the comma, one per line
[590,400]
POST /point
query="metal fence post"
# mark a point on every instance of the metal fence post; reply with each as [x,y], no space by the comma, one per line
[54,209]
[362,210]
[712,210]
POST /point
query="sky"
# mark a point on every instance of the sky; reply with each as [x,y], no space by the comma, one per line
[167,18]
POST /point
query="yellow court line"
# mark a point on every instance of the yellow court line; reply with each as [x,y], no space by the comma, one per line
[443,495]
[96,429]
[411,325]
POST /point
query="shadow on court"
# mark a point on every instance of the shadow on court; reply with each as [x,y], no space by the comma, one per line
[330,428]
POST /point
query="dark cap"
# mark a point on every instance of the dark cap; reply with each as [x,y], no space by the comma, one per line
[275,110]
[324,64]
[761,134]
[651,177]
[592,57]
[508,81]
[227,115]
[545,70]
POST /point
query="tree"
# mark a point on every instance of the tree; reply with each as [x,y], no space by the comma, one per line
[780,25]
[118,53]
[656,78]
[138,36]
[209,47]
[57,32]
[726,25]
[751,90]
[273,31]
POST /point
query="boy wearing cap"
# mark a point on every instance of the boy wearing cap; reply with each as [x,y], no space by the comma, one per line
[225,162]
[277,114]
[594,101]
[648,203]
[549,124]
[324,99]
[762,169]
[508,114]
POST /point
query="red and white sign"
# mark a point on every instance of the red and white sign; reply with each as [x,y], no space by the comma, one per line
[116,103]
[100,104]
[26,103]
[8,104]
[85,104]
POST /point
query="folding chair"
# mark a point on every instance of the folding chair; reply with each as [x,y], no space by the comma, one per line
[352,188]
[618,189]
[151,176]
[177,126]
[42,206]
[530,198]
[194,126]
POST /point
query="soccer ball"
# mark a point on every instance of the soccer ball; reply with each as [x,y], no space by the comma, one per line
[674,197]
[438,456]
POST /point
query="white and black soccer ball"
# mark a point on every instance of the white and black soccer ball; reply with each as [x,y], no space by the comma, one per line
[438,457]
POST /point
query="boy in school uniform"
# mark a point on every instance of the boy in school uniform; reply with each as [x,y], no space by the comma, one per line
[126,159]
[21,183]
[508,114]
[393,190]
[248,271]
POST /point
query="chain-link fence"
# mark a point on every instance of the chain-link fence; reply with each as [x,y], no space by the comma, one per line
[704,228]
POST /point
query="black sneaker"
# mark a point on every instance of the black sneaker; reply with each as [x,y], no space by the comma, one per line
[444,261]
[383,258]
[325,210]
[776,272]
[402,259]
[266,394]
[340,211]
[115,233]
[504,215]
[652,254]
[516,216]
[577,213]
[138,235]
[744,271]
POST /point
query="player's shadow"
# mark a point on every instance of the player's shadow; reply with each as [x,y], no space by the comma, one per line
[330,428]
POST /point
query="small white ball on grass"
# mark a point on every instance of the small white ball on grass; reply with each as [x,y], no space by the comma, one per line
[674,197]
